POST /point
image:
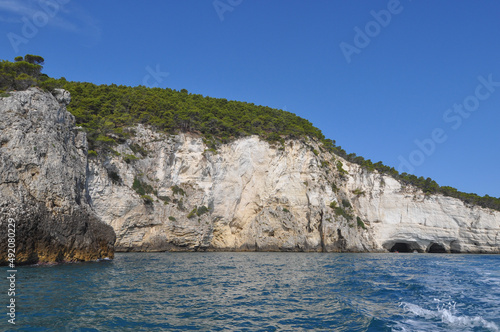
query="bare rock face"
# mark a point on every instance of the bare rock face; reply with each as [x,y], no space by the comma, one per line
[172,193]
[247,196]
[405,219]
[43,182]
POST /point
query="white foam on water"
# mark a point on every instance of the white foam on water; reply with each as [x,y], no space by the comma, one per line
[447,313]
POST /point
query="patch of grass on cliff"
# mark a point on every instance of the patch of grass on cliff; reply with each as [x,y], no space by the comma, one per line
[165,199]
[360,223]
[136,148]
[128,158]
[359,192]
[148,200]
[114,177]
[341,212]
[91,154]
[180,205]
[340,168]
[141,188]
[197,211]
[176,190]
[201,210]
[346,204]
[192,214]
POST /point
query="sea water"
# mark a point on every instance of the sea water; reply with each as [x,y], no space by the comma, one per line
[260,292]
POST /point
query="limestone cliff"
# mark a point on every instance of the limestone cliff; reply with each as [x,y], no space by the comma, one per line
[172,192]
[43,182]
[162,192]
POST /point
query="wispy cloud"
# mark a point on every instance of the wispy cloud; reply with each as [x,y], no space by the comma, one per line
[70,17]
[12,11]
[18,7]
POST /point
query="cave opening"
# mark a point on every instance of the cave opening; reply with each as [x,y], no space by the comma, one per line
[401,247]
[436,248]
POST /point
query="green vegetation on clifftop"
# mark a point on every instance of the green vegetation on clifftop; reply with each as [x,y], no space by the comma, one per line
[108,110]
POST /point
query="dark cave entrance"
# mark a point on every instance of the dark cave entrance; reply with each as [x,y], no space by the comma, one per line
[401,247]
[436,248]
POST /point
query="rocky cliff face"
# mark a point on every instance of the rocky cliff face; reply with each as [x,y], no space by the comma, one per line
[161,192]
[43,182]
[171,193]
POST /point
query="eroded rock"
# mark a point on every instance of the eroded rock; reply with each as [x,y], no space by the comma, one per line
[264,197]
[43,183]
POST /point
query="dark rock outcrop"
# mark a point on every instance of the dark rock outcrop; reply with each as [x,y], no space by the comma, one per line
[43,183]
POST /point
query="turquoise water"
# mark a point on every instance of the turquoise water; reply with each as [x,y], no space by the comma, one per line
[261,292]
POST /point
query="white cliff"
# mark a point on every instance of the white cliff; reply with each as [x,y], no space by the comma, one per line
[406,215]
[251,195]
[171,192]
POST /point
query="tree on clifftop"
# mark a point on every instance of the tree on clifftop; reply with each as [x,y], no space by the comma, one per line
[24,73]
[34,59]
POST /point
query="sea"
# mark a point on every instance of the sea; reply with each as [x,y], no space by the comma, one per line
[258,291]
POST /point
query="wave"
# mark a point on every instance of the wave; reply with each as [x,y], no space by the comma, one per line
[447,314]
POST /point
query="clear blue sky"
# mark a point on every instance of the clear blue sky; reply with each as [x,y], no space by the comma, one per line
[397,87]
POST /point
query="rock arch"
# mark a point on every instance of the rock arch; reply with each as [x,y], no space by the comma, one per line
[401,247]
[436,248]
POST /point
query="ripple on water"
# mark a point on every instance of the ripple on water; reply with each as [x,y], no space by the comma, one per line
[263,291]
[445,316]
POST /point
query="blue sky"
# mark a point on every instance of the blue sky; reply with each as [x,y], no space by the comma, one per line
[405,82]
